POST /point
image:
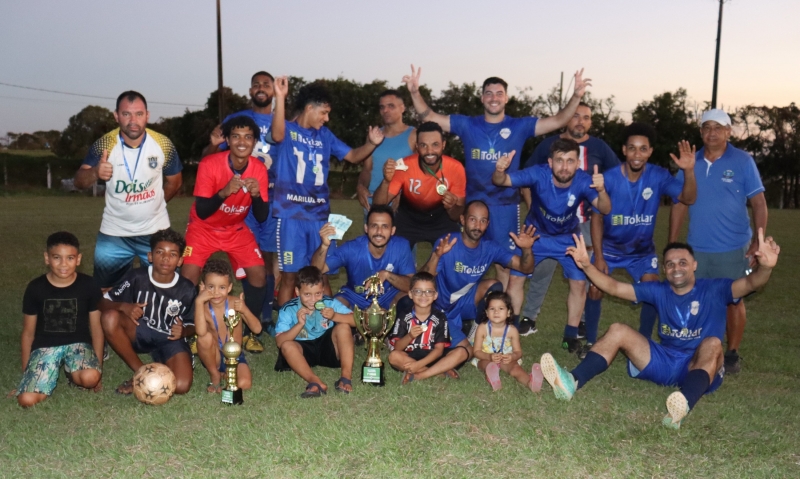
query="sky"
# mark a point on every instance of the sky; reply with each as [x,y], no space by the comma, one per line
[632,49]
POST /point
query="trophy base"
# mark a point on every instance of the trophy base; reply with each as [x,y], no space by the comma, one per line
[232,398]
[372,375]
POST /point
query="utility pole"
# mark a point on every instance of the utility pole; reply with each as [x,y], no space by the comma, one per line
[561,92]
[220,96]
[716,59]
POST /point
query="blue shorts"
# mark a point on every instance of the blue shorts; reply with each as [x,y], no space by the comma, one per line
[359,300]
[160,347]
[462,310]
[555,247]
[266,233]
[636,266]
[297,241]
[113,257]
[669,367]
[504,219]
[242,360]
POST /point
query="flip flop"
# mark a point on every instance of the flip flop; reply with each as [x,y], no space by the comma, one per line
[341,382]
[536,378]
[213,388]
[452,374]
[407,378]
[493,376]
[126,388]
[311,393]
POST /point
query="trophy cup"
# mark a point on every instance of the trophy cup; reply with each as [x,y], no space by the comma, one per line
[374,324]
[231,394]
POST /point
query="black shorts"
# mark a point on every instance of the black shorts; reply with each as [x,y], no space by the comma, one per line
[423,227]
[318,352]
[418,354]
[160,347]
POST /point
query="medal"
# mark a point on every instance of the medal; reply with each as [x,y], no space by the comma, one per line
[319,305]
[424,327]
[491,151]
[441,188]
[265,148]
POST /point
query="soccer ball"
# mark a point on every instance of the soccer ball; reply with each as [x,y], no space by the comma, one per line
[153,384]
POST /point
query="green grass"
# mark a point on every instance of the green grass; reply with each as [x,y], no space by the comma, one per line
[435,428]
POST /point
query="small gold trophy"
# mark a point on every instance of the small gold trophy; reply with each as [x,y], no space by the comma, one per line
[231,394]
[374,324]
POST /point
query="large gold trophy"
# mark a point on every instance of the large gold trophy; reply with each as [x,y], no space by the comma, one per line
[231,394]
[374,324]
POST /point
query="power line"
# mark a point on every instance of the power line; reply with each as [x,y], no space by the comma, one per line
[91,96]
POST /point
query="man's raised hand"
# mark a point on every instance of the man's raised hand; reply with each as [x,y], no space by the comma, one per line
[687,155]
[412,81]
[104,168]
[581,84]
[216,136]
[768,251]
[388,170]
[526,237]
[374,135]
[280,87]
[505,161]
[598,180]
[578,252]
[325,233]
[445,245]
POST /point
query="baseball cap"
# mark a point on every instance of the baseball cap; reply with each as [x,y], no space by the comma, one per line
[716,115]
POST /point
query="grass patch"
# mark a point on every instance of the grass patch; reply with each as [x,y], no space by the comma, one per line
[433,428]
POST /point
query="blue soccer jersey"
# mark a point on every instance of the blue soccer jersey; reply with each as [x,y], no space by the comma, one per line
[554,209]
[302,166]
[685,320]
[359,263]
[316,324]
[264,147]
[460,269]
[628,229]
[484,143]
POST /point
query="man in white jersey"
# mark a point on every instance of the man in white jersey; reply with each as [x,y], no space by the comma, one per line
[142,172]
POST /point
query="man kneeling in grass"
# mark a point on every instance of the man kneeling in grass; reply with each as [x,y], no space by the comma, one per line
[314,330]
[693,318]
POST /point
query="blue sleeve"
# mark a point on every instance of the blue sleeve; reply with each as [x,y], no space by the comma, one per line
[539,155]
[502,256]
[337,306]
[94,153]
[458,125]
[752,179]
[287,318]
[338,148]
[336,258]
[172,163]
[522,178]
[670,185]
[530,126]
[646,292]
[406,265]
[725,292]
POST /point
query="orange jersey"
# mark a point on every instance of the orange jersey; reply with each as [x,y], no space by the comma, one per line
[419,187]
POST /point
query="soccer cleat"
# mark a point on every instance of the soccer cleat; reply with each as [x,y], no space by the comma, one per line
[571,344]
[733,362]
[584,350]
[582,330]
[527,326]
[252,344]
[678,408]
[562,382]
[192,340]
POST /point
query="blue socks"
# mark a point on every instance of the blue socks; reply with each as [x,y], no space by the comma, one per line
[695,385]
[592,310]
[266,313]
[571,331]
[590,367]
[647,319]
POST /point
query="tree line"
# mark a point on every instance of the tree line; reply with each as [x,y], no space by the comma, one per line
[771,134]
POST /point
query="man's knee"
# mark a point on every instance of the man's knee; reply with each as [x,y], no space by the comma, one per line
[711,345]
[619,331]
[110,320]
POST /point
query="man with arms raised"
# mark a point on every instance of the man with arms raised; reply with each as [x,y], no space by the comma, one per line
[624,237]
[692,314]
[593,151]
[557,190]
[378,251]
[399,141]
[719,226]
[301,201]
[459,265]
[433,187]
[142,172]
[486,138]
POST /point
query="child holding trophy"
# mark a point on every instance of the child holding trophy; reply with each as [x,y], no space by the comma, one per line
[497,345]
[211,306]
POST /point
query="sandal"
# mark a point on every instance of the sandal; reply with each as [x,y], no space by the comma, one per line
[213,388]
[452,374]
[493,376]
[536,378]
[407,378]
[310,392]
[341,383]
[126,388]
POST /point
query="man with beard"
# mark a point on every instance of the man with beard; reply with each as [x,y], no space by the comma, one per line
[624,237]
[593,152]
[692,312]
[486,138]
[262,90]
[557,190]
[135,162]
[459,265]
[377,252]
[433,187]
[399,141]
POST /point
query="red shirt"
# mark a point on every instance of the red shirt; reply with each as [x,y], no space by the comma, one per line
[213,174]
[419,187]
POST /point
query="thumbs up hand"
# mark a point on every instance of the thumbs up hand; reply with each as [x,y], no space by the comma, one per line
[598,181]
[104,168]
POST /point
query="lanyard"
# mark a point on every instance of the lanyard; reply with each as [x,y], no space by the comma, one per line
[138,154]
[489,139]
[553,188]
[640,181]
[433,173]
[216,326]
[424,324]
[684,318]
[234,170]
[502,343]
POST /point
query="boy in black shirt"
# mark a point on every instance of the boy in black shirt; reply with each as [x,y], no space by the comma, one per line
[61,325]
[152,311]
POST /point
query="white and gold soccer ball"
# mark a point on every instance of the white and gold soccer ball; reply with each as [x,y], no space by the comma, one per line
[153,384]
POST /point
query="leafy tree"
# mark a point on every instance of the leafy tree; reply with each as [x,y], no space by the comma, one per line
[673,121]
[82,130]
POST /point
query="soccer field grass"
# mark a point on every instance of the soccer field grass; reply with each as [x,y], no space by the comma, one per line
[434,428]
